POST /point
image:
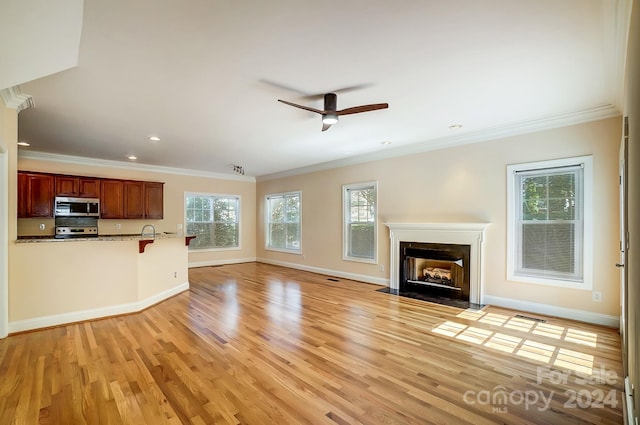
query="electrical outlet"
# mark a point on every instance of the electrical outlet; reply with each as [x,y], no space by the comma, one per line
[381,267]
[596,296]
[118,226]
[42,226]
[179,226]
[175,275]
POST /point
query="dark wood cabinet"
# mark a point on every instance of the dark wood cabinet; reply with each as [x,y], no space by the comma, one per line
[143,200]
[119,199]
[153,200]
[111,198]
[133,199]
[83,187]
[35,195]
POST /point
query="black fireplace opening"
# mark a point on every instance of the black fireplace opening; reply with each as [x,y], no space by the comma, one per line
[435,269]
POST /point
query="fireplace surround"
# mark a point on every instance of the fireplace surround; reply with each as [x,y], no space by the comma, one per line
[438,237]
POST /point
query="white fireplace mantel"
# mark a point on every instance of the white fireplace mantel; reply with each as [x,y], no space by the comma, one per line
[471,234]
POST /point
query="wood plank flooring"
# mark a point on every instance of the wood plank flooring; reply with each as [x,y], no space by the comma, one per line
[259,344]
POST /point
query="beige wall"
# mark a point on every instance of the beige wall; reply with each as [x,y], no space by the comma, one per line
[461,184]
[8,159]
[175,186]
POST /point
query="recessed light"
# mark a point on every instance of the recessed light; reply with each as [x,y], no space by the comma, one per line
[455,126]
[132,157]
[154,138]
[24,144]
[385,142]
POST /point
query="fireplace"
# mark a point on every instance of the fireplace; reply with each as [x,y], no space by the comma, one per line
[435,269]
[440,251]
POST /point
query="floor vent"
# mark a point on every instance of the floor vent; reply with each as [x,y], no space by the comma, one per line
[535,319]
[332,279]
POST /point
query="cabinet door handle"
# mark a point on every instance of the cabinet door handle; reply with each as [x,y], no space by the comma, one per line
[618,265]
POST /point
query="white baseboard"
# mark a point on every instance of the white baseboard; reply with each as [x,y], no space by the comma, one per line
[328,272]
[552,310]
[221,262]
[97,313]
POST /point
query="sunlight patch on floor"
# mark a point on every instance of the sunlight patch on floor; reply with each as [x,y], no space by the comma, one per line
[581,337]
[474,335]
[450,329]
[550,331]
[521,346]
[574,360]
[494,319]
[536,351]
[503,342]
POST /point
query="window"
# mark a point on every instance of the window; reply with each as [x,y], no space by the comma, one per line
[214,219]
[550,222]
[283,221]
[360,223]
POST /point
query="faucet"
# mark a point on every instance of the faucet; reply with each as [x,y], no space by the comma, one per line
[142,235]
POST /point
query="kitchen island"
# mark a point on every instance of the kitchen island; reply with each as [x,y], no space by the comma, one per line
[62,281]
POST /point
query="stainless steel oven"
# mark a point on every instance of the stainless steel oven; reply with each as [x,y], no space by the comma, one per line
[76,207]
[76,227]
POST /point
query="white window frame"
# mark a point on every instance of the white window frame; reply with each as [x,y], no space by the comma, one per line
[513,200]
[267,218]
[215,195]
[346,220]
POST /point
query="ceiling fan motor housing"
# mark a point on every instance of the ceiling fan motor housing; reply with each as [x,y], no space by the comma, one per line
[330,102]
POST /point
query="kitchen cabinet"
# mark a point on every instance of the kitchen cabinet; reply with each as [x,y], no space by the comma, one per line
[83,187]
[119,199]
[111,198]
[143,200]
[129,199]
[35,195]
[133,199]
[153,200]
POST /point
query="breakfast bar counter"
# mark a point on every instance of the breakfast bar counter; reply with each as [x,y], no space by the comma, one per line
[59,281]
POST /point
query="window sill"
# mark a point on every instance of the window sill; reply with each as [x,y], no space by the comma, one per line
[360,260]
[213,249]
[558,283]
[286,251]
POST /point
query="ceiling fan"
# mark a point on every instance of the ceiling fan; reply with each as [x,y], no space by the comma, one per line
[330,113]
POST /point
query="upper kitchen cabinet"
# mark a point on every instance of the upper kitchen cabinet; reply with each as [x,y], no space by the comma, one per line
[35,195]
[143,200]
[111,198]
[82,187]
[153,200]
[133,199]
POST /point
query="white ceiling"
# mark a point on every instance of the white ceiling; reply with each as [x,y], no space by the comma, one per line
[205,76]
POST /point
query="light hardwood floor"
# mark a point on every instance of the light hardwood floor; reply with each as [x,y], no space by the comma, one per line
[259,344]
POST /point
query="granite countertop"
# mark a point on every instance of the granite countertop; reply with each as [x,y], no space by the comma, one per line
[118,237]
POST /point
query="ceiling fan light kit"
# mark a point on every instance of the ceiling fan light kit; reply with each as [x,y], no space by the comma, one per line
[330,113]
[330,118]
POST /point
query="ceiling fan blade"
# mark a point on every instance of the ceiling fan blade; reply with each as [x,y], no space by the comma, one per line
[362,108]
[295,105]
[336,91]
[325,127]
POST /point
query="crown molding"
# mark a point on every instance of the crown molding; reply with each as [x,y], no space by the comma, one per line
[513,129]
[94,162]
[13,98]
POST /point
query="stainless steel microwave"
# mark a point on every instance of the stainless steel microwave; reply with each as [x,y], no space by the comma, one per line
[76,207]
